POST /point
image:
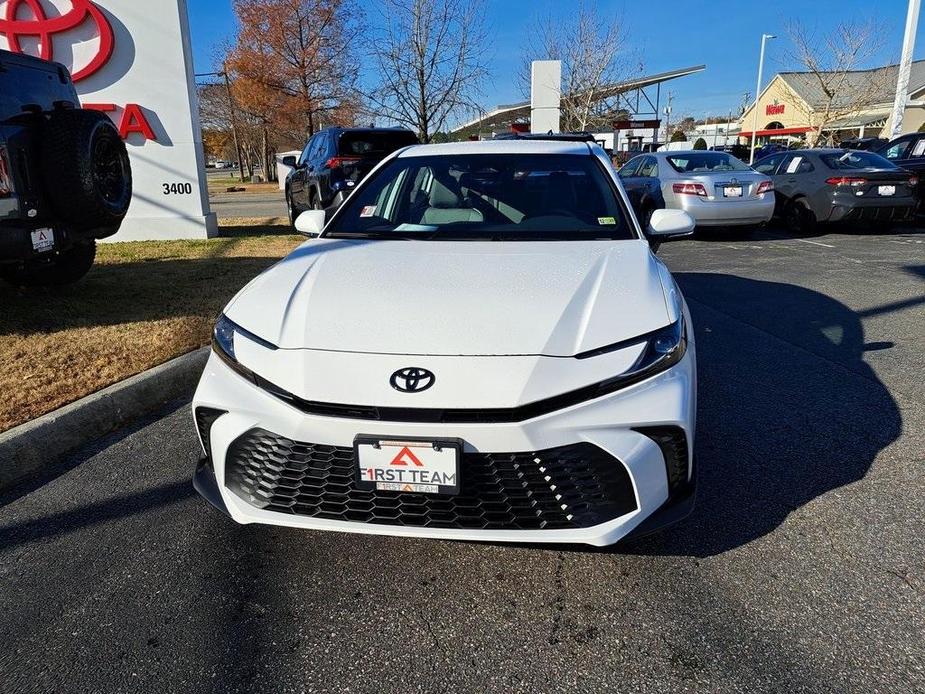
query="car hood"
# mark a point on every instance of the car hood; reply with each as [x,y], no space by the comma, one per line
[455,298]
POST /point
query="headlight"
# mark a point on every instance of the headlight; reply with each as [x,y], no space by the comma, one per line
[664,348]
[223,337]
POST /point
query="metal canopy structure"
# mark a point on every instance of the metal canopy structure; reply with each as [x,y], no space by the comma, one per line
[634,99]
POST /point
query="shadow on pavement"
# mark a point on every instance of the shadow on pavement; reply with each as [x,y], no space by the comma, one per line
[788,409]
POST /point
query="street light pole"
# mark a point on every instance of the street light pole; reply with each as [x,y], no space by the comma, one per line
[234,116]
[764,39]
[905,67]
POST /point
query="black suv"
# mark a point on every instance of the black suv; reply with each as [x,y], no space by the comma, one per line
[334,161]
[65,178]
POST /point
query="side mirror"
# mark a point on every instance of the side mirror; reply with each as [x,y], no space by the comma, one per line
[289,161]
[670,224]
[311,222]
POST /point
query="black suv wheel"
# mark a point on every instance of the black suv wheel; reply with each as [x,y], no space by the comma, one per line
[65,267]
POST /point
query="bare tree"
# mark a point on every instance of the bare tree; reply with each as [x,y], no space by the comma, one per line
[834,85]
[593,49]
[431,59]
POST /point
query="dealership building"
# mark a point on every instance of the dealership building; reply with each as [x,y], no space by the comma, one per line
[793,103]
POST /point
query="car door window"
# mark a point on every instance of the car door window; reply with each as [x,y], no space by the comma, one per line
[306,153]
[631,167]
[918,149]
[316,156]
[768,166]
[795,164]
[898,150]
[649,168]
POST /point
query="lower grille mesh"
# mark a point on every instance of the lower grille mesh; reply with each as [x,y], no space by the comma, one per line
[574,486]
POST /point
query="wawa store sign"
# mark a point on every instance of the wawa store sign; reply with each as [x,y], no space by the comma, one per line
[130,59]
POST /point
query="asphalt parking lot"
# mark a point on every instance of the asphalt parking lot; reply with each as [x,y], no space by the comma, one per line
[801,570]
[255,205]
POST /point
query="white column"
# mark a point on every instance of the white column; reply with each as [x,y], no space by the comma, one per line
[545,95]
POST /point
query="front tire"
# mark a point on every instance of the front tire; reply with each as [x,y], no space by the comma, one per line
[291,210]
[66,267]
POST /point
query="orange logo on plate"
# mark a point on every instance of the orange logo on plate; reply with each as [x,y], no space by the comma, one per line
[405,457]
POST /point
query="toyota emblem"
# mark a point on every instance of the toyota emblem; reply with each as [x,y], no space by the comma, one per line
[45,27]
[412,380]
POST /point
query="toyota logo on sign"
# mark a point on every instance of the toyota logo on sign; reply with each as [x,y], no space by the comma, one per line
[30,19]
[412,380]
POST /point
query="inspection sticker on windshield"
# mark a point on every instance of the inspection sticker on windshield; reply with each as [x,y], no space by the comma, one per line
[43,240]
[417,466]
[604,221]
[368,211]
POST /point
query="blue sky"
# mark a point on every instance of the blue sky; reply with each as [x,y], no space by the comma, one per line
[666,35]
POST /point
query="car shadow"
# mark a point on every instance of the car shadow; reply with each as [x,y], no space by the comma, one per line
[788,409]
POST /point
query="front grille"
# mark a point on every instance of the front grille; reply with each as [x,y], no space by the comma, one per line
[574,486]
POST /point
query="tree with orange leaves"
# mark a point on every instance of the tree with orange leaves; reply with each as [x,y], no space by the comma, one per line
[295,58]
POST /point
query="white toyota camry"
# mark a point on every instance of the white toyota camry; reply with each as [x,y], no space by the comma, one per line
[481,345]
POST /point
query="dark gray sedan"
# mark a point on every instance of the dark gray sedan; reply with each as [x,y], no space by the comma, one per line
[834,185]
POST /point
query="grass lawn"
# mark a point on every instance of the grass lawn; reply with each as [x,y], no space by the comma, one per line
[142,304]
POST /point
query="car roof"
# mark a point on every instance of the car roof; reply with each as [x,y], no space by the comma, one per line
[497,147]
[338,129]
[676,152]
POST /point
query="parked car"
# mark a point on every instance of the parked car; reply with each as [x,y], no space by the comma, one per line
[864,143]
[334,161]
[715,188]
[65,177]
[836,185]
[908,152]
[767,150]
[740,152]
[456,358]
[640,179]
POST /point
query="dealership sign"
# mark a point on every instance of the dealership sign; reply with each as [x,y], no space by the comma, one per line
[132,61]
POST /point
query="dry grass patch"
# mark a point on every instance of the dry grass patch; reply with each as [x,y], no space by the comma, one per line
[142,304]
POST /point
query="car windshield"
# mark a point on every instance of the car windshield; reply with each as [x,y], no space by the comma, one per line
[856,160]
[486,197]
[705,162]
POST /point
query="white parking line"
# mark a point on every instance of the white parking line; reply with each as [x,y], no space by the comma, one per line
[815,243]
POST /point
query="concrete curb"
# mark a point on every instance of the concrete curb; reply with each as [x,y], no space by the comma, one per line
[40,444]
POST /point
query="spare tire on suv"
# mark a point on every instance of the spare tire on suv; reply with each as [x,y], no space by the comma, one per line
[86,169]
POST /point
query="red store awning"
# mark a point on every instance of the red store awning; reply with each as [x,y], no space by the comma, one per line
[778,131]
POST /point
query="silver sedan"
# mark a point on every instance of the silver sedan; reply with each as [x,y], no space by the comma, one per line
[715,188]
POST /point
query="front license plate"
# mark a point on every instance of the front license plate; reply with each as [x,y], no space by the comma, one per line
[732,191]
[887,190]
[420,466]
[43,240]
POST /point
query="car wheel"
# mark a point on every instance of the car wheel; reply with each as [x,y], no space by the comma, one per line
[798,217]
[65,268]
[290,209]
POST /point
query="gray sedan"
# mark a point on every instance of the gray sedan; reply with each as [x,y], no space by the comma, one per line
[715,188]
[834,185]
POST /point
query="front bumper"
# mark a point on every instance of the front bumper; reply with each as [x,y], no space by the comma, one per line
[610,424]
[728,212]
